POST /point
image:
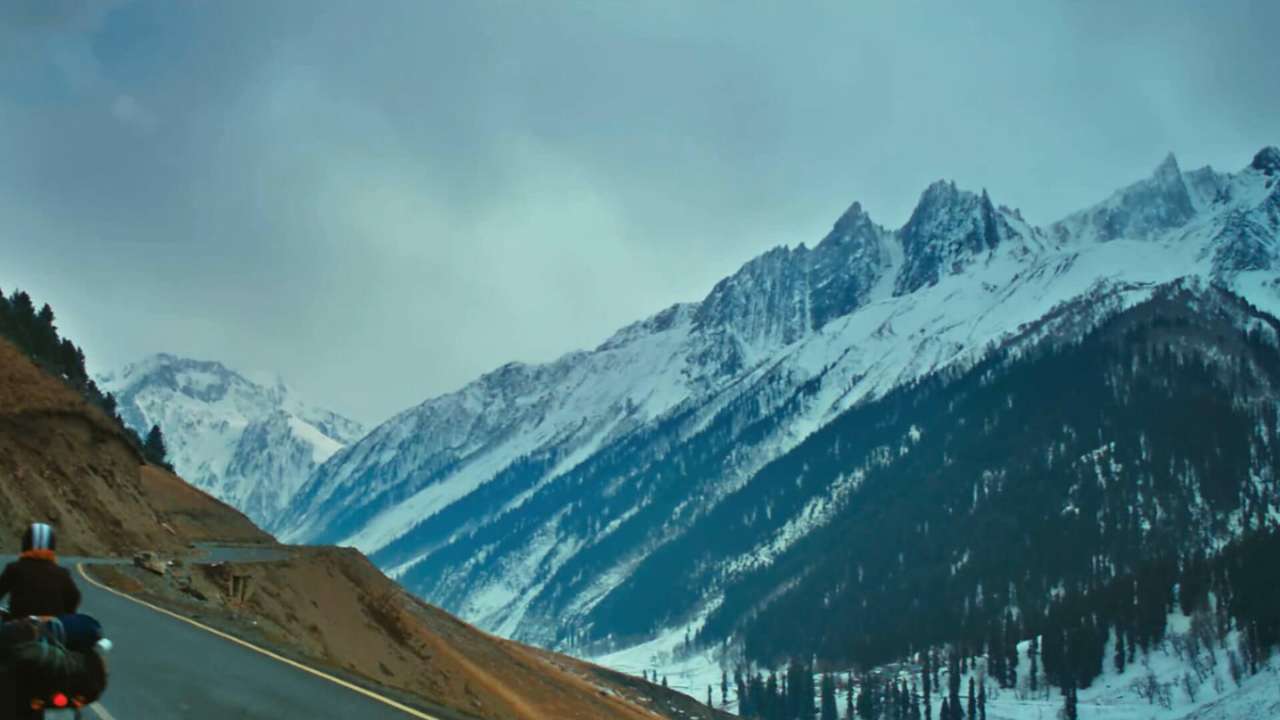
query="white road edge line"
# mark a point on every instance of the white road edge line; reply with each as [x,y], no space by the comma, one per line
[101,712]
[279,658]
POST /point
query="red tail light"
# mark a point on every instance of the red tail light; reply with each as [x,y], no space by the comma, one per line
[59,700]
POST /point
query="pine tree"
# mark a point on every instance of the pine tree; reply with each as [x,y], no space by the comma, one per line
[995,659]
[953,685]
[973,700]
[749,692]
[22,314]
[1033,650]
[724,689]
[109,404]
[771,693]
[44,338]
[982,701]
[927,683]
[1119,657]
[848,697]
[946,709]
[1011,634]
[866,703]
[829,711]
[800,692]
[153,449]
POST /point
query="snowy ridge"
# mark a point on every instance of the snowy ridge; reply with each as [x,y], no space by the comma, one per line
[522,499]
[251,444]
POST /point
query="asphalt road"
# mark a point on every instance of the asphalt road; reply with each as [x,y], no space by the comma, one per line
[162,668]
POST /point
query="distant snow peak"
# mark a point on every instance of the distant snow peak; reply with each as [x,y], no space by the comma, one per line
[250,443]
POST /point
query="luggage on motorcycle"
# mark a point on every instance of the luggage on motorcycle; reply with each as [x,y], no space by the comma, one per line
[82,631]
[74,631]
[43,669]
[51,656]
[16,632]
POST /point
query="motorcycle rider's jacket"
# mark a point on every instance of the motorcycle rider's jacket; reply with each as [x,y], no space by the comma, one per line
[38,585]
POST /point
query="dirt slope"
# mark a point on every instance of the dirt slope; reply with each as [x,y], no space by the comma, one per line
[63,461]
[193,514]
[333,608]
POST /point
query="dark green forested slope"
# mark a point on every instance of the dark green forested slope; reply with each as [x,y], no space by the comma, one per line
[1061,491]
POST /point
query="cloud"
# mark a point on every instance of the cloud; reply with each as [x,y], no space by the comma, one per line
[60,35]
[383,200]
[60,31]
[130,113]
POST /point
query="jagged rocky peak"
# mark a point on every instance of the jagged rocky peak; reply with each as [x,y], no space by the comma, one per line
[852,222]
[1165,184]
[763,303]
[947,229]
[845,266]
[854,233]
[1142,210]
[781,295]
[1166,188]
[1267,161]
[785,293]
[1167,172]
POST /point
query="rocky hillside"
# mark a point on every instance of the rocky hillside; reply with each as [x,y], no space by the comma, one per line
[250,444]
[62,460]
[526,500]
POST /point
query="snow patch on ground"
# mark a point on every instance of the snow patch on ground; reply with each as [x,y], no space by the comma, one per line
[1178,679]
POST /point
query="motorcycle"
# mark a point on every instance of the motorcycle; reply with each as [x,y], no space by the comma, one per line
[51,667]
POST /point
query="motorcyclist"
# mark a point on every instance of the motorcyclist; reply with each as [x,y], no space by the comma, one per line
[29,668]
[35,583]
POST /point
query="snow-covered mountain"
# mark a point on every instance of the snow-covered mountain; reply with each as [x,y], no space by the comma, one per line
[527,499]
[251,444]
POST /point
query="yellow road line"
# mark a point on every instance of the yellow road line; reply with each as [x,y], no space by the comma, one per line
[279,658]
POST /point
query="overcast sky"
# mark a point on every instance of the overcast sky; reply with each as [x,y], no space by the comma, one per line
[381,200]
